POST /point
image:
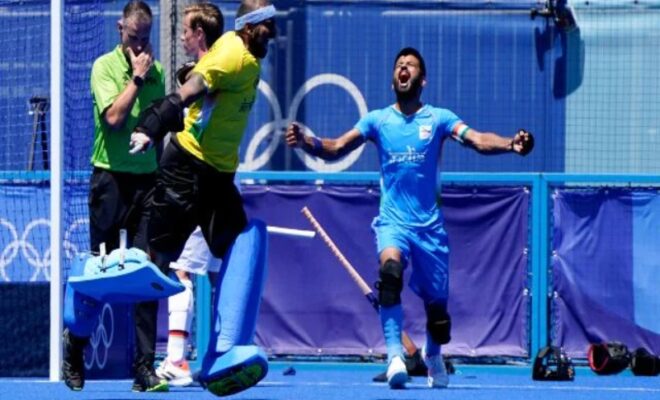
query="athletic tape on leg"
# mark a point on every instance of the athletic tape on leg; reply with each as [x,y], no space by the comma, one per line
[80,311]
[134,280]
[180,307]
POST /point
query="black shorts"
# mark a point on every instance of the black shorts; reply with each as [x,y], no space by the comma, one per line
[119,200]
[189,193]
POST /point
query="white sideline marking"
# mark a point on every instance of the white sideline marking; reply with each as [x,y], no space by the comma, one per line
[563,388]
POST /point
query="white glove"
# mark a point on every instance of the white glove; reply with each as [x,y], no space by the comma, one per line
[139,143]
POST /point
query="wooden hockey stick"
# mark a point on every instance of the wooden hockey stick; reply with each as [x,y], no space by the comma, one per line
[408,344]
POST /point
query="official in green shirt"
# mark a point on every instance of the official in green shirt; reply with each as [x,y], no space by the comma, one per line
[124,82]
[114,80]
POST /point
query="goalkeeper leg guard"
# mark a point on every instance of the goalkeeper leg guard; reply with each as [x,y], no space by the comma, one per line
[231,364]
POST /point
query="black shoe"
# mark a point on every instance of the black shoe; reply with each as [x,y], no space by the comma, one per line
[415,365]
[73,365]
[146,380]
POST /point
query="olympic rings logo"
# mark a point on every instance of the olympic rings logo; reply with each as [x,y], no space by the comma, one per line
[22,245]
[254,161]
[101,339]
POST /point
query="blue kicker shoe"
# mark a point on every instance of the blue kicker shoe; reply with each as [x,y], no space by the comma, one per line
[238,369]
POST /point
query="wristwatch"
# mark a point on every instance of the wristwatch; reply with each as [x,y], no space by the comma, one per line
[139,82]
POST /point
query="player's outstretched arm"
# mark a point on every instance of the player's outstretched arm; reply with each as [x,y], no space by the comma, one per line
[491,143]
[327,149]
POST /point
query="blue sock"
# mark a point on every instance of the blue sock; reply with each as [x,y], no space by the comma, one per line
[432,348]
[391,319]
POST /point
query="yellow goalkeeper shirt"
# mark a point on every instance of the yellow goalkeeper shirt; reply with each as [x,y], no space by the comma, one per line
[215,124]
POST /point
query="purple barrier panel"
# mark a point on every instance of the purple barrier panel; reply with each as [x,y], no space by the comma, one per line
[593,268]
[489,299]
[311,306]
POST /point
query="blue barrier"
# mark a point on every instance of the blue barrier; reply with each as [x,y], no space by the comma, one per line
[540,186]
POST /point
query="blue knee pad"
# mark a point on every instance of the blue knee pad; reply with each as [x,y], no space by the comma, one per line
[81,312]
[238,369]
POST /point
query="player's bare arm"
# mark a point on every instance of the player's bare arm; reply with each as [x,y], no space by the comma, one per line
[326,148]
[491,143]
[194,88]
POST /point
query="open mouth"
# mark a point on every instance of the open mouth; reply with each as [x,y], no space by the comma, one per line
[404,78]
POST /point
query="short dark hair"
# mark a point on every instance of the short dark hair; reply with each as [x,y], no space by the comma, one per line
[411,51]
[137,8]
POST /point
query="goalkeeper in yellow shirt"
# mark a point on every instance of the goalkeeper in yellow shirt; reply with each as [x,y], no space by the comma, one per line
[195,185]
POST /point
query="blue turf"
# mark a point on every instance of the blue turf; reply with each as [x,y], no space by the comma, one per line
[343,381]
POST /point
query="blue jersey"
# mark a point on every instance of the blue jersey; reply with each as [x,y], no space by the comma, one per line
[409,149]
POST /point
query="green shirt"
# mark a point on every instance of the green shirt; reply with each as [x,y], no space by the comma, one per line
[110,74]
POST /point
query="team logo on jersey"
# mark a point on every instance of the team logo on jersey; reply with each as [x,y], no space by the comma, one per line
[424,132]
[246,105]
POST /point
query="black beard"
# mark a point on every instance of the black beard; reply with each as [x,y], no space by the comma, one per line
[404,97]
[259,50]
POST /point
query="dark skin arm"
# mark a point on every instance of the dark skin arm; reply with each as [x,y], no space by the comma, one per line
[492,143]
[330,149]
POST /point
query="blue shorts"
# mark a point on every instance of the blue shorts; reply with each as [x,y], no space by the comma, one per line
[427,251]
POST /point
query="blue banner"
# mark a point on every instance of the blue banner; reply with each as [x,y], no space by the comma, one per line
[605,268]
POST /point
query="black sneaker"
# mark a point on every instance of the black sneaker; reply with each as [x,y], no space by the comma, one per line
[415,365]
[146,380]
[73,365]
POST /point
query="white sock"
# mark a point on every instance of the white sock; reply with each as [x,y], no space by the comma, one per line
[176,348]
[181,307]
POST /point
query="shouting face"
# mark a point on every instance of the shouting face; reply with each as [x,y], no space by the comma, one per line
[407,78]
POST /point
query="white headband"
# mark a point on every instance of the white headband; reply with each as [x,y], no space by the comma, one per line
[254,17]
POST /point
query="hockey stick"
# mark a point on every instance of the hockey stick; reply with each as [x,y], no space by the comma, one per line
[408,344]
